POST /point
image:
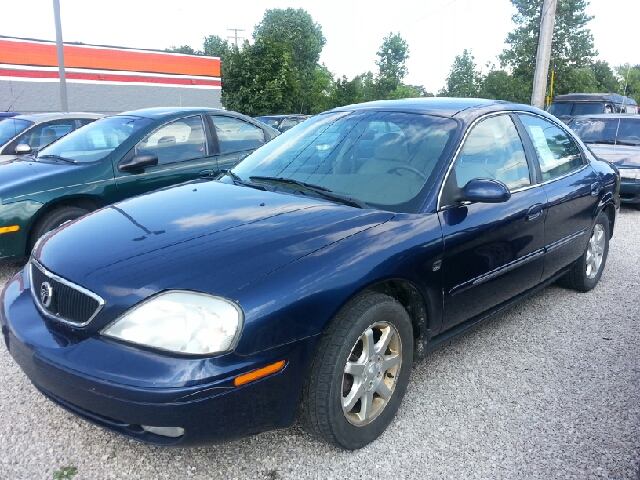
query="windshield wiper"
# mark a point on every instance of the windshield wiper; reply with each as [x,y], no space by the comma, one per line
[628,144]
[58,157]
[309,187]
[238,181]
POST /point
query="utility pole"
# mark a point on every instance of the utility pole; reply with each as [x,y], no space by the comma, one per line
[543,54]
[236,30]
[60,48]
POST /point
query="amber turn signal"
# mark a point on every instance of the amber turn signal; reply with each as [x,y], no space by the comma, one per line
[259,373]
[12,228]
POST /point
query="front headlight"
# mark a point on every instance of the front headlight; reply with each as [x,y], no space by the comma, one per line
[180,321]
[630,173]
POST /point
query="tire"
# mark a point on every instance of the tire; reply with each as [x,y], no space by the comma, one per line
[334,402]
[53,220]
[587,271]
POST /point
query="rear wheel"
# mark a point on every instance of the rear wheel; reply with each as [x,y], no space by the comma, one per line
[587,271]
[360,372]
[53,220]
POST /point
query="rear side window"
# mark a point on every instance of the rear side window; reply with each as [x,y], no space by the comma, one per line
[557,153]
[235,135]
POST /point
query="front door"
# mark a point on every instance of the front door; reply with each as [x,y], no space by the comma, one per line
[183,152]
[491,251]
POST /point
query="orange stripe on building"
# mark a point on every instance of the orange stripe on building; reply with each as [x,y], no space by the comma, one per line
[105,58]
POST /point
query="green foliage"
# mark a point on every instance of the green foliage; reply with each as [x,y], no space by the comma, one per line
[296,28]
[215,46]
[499,85]
[571,48]
[630,84]
[260,79]
[302,37]
[463,80]
[393,54]
[606,80]
[183,49]
[65,473]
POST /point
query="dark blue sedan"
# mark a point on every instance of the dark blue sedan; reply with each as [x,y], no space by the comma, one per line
[306,281]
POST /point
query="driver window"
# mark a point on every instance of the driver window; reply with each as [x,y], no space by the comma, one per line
[493,150]
[182,139]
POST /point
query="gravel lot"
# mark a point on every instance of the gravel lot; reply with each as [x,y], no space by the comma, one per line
[549,389]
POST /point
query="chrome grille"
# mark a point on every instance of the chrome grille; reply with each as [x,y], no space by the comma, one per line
[61,299]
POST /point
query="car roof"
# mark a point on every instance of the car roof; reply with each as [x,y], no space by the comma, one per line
[594,97]
[607,116]
[441,106]
[283,115]
[159,112]
[45,117]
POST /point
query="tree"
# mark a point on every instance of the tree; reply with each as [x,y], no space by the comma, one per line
[393,54]
[215,46]
[183,49]
[298,33]
[499,85]
[571,48]
[259,79]
[606,80]
[630,81]
[463,80]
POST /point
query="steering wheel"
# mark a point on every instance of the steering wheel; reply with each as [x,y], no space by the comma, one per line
[410,169]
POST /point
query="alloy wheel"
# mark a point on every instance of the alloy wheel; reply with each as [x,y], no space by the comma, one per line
[595,251]
[371,373]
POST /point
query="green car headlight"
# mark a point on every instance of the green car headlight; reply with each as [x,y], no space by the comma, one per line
[181,321]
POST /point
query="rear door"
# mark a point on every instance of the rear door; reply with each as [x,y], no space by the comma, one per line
[572,189]
[235,139]
[184,153]
[492,252]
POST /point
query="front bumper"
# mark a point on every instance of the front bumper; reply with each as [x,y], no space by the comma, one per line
[197,395]
[629,191]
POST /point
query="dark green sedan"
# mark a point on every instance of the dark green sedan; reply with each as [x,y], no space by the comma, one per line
[115,158]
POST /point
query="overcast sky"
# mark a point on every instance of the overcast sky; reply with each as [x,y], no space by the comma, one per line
[436,30]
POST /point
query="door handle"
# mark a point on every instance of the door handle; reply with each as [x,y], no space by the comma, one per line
[595,189]
[206,173]
[534,212]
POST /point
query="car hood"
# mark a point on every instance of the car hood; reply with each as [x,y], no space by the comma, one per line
[6,158]
[620,155]
[204,236]
[20,173]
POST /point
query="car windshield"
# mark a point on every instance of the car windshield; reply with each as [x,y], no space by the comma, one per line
[622,131]
[382,159]
[95,141]
[10,127]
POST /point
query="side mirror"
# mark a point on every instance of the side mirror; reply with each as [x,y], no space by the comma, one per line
[22,149]
[485,190]
[138,162]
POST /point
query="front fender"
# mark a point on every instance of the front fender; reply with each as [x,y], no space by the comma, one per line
[300,299]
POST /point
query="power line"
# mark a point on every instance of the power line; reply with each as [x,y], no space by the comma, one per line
[236,30]
[429,14]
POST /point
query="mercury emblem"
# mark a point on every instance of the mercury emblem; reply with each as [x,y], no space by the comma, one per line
[46,294]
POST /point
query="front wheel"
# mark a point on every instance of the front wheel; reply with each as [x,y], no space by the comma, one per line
[587,271]
[53,220]
[360,372]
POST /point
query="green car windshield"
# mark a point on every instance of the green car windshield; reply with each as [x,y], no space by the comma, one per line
[10,127]
[383,159]
[96,140]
